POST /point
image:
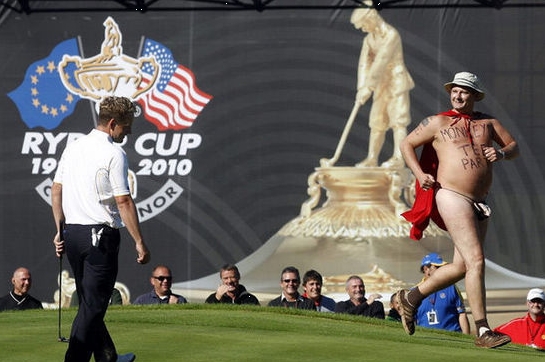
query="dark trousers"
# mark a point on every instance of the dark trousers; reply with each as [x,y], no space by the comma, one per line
[95,270]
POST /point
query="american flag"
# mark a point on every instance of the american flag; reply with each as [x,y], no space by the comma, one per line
[175,101]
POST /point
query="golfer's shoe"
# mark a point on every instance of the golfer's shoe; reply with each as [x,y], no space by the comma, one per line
[491,339]
[129,357]
[407,311]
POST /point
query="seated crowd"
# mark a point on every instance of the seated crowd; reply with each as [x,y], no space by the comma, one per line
[445,309]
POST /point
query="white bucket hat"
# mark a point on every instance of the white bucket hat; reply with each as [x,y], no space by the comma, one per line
[466,79]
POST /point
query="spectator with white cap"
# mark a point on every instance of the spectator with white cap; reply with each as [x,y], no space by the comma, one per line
[529,330]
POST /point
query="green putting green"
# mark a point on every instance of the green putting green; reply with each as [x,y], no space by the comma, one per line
[199,332]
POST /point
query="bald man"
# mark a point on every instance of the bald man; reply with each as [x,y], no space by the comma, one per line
[18,298]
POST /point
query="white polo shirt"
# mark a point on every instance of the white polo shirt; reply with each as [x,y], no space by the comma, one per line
[92,170]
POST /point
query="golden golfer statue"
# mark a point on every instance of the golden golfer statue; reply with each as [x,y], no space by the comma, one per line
[359,226]
[382,72]
[383,75]
[367,200]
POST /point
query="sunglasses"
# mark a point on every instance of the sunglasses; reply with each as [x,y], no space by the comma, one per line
[163,278]
[294,281]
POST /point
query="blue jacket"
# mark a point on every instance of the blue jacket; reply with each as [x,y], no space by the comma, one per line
[441,310]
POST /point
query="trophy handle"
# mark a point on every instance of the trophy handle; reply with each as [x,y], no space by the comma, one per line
[65,78]
[314,191]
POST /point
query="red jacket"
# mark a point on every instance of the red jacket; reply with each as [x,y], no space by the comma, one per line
[525,330]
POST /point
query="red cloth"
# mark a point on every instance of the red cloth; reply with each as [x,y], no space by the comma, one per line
[424,207]
[526,331]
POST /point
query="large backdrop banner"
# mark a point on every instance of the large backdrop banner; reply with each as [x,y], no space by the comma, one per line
[237,109]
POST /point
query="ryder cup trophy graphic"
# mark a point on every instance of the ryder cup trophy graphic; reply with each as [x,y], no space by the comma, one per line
[109,73]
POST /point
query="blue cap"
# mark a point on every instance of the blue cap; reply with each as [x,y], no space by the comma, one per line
[432,259]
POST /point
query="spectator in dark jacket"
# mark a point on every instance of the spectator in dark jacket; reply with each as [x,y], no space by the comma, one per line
[358,304]
[18,298]
[290,281]
[161,280]
[230,291]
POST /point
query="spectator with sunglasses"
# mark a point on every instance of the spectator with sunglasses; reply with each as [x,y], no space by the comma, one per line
[529,329]
[161,280]
[290,281]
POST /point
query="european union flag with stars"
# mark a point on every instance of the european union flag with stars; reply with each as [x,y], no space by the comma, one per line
[42,99]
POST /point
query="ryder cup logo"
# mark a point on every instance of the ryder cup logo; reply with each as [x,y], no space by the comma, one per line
[165,90]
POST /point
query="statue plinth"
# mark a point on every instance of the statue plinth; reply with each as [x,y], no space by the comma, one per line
[361,203]
[357,230]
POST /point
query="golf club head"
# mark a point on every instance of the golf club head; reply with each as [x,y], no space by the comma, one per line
[63,339]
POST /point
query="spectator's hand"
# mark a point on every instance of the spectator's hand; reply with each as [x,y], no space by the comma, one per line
[173,299]
[59,245]
[373,297]
[222,289]
[143,253]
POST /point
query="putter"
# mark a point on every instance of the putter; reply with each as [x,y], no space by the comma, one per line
[61,338]
[325,162]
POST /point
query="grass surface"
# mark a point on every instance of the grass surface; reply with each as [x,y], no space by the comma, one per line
[226,333]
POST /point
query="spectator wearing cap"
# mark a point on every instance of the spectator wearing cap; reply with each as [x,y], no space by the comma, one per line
[445,308]
[529,330]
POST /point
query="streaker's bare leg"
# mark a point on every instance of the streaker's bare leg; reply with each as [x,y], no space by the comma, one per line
[467,234]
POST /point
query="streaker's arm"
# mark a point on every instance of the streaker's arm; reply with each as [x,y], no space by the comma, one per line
[422,134]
